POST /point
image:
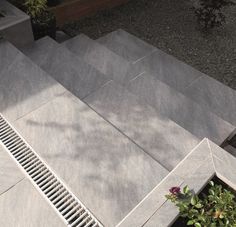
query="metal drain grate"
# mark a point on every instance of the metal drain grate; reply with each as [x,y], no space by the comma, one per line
[54,191]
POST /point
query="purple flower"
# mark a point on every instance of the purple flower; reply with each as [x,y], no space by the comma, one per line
[175,190]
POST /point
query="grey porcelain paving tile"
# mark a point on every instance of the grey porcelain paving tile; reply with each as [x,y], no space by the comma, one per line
[167,213]
[103,59]
[103,168]
[24,87]
[10,174]
[151,203]
[184,111]
[184,171]
[231,150]
[126,45]
[65,67]
[23,206]
[200,178]
[169,70]
[164,216]
[224,164]
[8,55]
[215,96]
[160,137]
[193,160]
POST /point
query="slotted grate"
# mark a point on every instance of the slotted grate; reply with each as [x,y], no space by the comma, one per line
[65,203]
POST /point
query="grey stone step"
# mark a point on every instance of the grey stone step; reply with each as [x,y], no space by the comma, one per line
[102,167]
[103,59]
[71,71]
[22,206]
[182,77]
[126,45]
[184,111]
[107,171]
[231,150]
[163,139]
[164,67]
[23,85]
[215,96]
[10,174]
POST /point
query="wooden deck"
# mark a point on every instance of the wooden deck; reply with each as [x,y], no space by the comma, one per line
[71,10]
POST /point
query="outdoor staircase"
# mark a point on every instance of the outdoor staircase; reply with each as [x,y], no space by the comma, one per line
[112,117]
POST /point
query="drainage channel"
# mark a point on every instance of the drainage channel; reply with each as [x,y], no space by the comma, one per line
[64,202]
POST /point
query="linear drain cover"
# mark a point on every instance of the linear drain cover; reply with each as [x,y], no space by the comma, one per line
[67,205]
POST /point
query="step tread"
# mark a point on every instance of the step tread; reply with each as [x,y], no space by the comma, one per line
[103,59]
[156,134]
[231,150]
[104,169]
[22,205]
[126,45]
[181,109]
[71,71]
[24,86]
[10,174]
[215,96]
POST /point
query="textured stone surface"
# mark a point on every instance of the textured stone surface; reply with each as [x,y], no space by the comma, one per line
[13,23]
[126,45]
[197,119]
[215,96]
[157,135]
[185,170]
[23,206]
[168,69]
[168,212]
[24,86]
[103,168]
[103,59]
[10,174]
[69,70]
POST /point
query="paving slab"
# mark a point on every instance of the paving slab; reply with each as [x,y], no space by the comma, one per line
[23,206]
[160,137]
[156,198]
[197,119]
[215,96]
[126,45]
[167,213]
[103,168]
[10,174]
[23,85]
[71,71]
[169,70]
[103,59]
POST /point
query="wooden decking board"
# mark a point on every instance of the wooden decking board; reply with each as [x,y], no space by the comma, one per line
[75,9]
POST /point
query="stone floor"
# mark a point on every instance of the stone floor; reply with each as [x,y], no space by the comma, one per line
[111,117]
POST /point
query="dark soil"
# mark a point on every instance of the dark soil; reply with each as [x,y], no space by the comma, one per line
[171,26]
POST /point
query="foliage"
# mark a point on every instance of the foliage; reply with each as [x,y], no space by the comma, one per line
[210,12]
[217,208]
[35,8]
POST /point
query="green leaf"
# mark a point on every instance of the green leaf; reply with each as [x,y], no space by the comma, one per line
[198,205]
[211,183]
[194,200]
[186,189]
[190,222]
[211,192]
[197,224]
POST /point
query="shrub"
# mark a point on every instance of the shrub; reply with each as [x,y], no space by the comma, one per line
[35,8]
[217,208]
[209,12]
